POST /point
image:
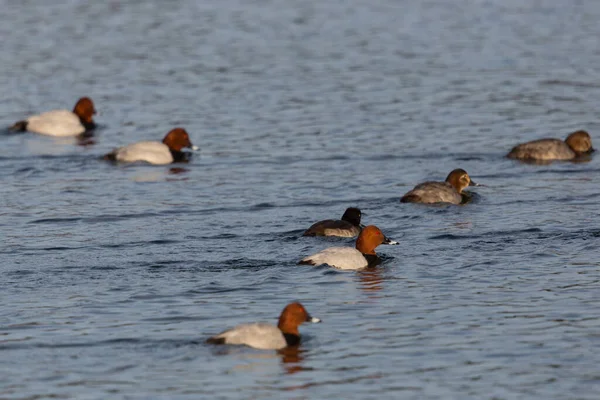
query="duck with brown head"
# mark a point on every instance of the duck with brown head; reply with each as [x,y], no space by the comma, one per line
[578,144]
[168,151]
[362,256]
[61,123]
[266,336]
[449,191]
[348,226]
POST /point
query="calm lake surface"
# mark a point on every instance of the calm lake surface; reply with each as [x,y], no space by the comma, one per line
[112,277]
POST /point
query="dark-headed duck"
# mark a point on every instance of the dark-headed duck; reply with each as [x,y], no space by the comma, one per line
[265,336]
[348,226]
[362,256]
[61,123]
[165,152]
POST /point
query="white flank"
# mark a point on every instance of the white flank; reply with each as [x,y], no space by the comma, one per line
[339,257]
[60,123]
[151,152]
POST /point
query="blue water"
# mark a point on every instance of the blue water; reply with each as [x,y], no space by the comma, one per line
[112,277]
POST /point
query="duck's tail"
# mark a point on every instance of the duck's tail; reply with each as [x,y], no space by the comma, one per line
[20,126]
[410,198]
[306,261]
[215,340]
[112,156]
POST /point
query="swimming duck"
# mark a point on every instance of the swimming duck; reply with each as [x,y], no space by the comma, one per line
[575,145]
[166,152]
[266,336]
[362,256]
[61,123]
[449,191]
[348,226]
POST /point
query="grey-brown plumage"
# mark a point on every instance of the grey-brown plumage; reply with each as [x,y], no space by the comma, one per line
[348,226]
[577,144]
[432,192]
[449,191]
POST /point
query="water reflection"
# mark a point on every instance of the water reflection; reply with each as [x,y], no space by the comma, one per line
[158,175]
[86,140]
[291,358]
[178,170]
[371,280]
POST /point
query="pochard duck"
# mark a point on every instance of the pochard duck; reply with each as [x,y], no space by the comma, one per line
[266,336]
[166,152]
[61,123]
[362,256]
[449,191]
[577,144]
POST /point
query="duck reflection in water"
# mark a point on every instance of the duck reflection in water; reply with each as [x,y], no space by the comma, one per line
[371,280]
[178,170]
[291,358]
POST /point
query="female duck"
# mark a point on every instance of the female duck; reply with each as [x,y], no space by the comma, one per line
[167,152]
[575,145]
[348,226]
[266,336]
[348,258]
[450,191]
[61,123]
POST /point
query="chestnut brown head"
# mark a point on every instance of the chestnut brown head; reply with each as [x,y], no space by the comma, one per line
[84,109]
[178,139]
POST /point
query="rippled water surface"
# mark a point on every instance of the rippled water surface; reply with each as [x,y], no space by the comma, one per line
[112,277]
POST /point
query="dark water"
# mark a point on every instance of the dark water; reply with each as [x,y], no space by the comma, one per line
[112,277]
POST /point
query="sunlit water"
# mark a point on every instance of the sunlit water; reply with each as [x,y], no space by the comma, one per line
[113,276]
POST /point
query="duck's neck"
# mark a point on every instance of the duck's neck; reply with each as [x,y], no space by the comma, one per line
[88,125]
[372,259]
[291,339]
[179,156]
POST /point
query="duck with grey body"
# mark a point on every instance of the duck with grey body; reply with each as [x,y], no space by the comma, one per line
[576,145]
[449,191]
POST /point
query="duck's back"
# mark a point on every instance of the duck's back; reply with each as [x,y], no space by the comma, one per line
[258,335]
[56,123]
[543,149]
[432,192]
[151,152]
[332,227]
[338,257]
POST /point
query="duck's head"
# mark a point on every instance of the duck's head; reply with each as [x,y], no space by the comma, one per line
[459,179]
[178,139]
[580,142]
[292,316]
[352,215]
[371,237]
[84,109]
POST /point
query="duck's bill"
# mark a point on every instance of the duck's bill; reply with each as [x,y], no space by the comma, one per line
[591,150]
[194,148]
[387,240]
[473,183]
[312,320]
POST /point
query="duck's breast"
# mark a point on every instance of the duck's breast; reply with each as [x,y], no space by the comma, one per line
[56,123]
[258,335]
[433,192]
[338,257]
[151,152]
[543,149]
